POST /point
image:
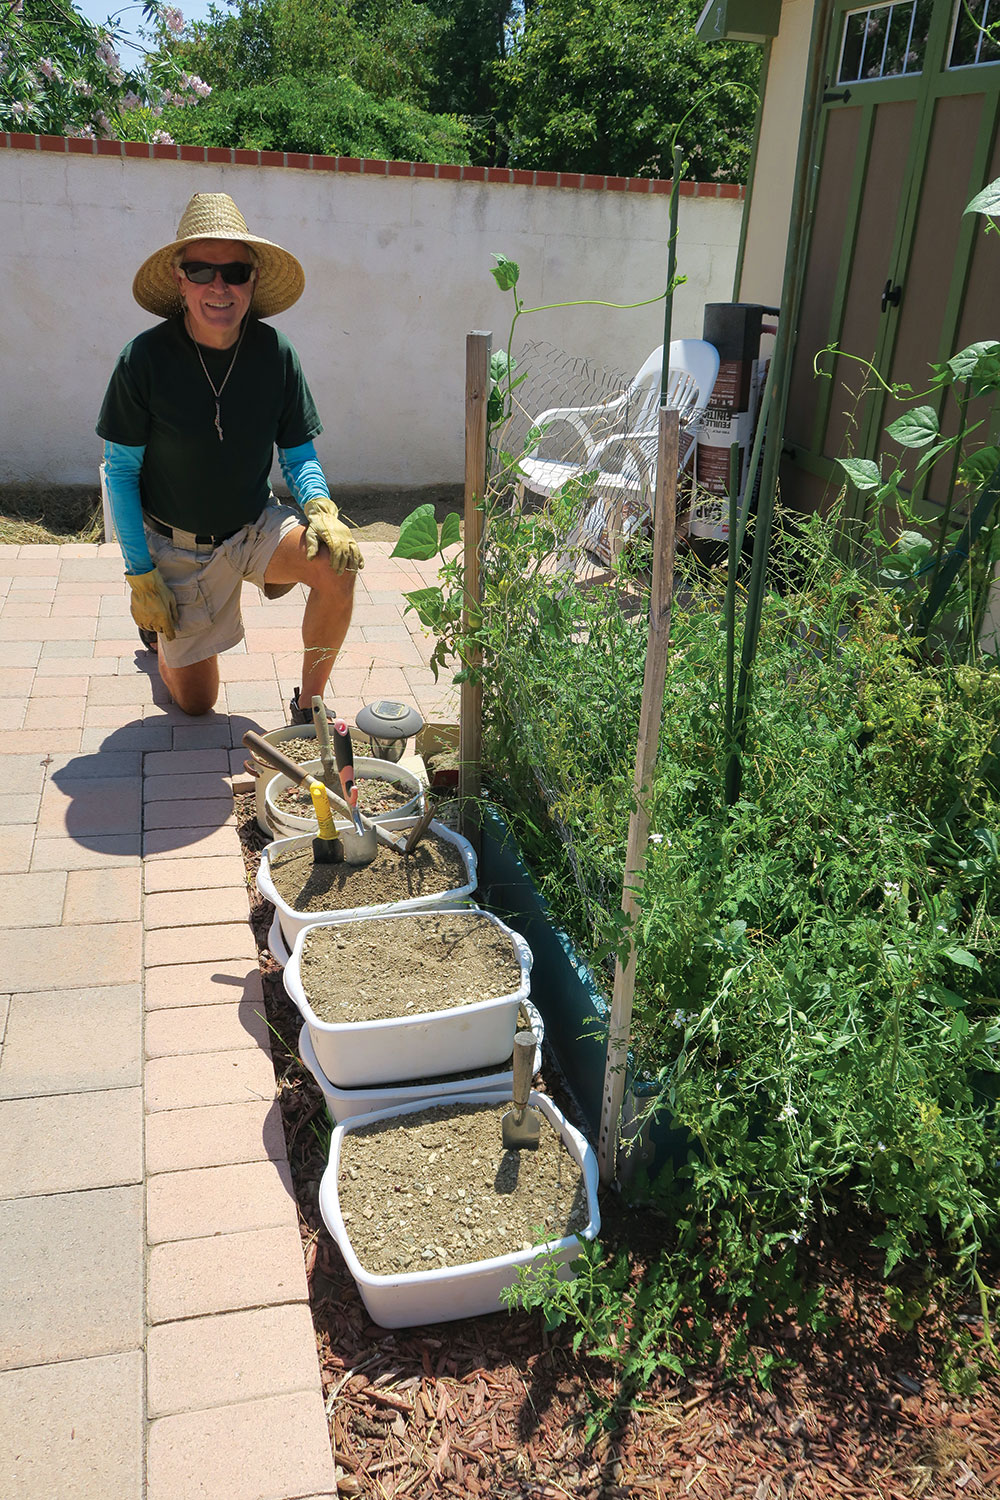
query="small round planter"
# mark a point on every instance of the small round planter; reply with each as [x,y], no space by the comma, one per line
[291,921]
[449,1292]
[456,1039]
[284,824]
[344,1104]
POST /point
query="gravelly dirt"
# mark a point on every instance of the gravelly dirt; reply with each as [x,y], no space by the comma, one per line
[437,1189]
[374,796]
[435,867]
[495,1407]
[406,966]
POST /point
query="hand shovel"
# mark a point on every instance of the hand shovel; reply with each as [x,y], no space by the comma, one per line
[520,1126]
[355,849]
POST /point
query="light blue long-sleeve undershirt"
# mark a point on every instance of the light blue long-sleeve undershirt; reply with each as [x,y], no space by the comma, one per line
[300,468]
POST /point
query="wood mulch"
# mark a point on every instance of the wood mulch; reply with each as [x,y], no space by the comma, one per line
[495,1406]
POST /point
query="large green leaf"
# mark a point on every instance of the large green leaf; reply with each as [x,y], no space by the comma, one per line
[986,202]
[418,535]
[964,364]
[862,472]
[451,530]
[915,428]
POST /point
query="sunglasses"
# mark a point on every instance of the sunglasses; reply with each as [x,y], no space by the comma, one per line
[202,272]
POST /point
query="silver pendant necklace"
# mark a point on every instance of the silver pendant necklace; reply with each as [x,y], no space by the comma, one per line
[217,393]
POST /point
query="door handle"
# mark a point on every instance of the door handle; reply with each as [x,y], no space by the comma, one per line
[891,295]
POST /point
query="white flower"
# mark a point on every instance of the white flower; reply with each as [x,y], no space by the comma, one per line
[892,890]
[881,1146]
[48,67]
[788,1113]
[172,18]
[161,138]
[131,101]
[656,838]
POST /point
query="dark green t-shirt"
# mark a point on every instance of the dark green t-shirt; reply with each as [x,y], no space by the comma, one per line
[159,399]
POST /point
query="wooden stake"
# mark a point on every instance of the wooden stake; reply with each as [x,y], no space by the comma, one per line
[654,679]
[470,715]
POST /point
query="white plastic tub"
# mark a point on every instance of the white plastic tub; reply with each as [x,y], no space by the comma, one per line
[427,1045]
[285,824]
[449,1292]
[264,775]
[291,921]
[344,1104]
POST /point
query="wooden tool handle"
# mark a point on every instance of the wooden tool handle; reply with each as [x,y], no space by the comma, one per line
[422,824]
[525,1043]
[275,758]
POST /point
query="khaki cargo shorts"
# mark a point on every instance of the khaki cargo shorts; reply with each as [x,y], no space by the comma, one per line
[207,582]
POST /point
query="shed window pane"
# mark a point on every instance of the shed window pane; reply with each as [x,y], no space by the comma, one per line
[976,36]
[885,41]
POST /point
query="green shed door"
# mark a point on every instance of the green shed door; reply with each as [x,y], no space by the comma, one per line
[892,273]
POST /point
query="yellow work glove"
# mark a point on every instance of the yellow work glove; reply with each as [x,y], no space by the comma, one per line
[326,526]
[153,605]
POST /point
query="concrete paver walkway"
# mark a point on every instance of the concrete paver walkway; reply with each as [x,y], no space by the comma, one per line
[155,1335]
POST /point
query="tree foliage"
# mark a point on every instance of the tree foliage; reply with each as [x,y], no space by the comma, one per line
[341,77]
[62,75]
[325,114]
[604,87]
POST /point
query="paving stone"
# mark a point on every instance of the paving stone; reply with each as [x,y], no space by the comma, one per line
[276,1449]
[203,736]
[195,874]
[63,710]
[19,807]
[187,786]
[73,1273]
[194,907]
[4,1012]
[211,1361]
[73,1431]
[32,900]
[93,954]
[131,737]
[166,945]
[91,805]
[110,763]
[193,812]
[16,841]
[199,1078]
[186,843]
[110,851]
[205,1028]
[217,1135]
[221,982]
[40,741]
[23,653]
[65,1143]
[257,1268]
[219,1200]
[61,1040]
[24,773]
[185,762]
[103,895]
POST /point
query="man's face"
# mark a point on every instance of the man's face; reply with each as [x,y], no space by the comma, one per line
[215,310]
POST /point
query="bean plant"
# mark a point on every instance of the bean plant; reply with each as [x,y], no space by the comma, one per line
[817,1004]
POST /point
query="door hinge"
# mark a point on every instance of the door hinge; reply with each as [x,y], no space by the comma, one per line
[831,97]
[891,295]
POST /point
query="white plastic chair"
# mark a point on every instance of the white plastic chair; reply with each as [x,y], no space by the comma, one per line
[618,440]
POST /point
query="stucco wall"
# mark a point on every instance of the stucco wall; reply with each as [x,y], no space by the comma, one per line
[397,273]
[774,172]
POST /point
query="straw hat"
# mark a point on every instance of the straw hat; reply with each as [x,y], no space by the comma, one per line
[214,216]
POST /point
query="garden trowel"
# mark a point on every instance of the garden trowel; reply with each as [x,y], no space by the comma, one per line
[330,778]
[520,1126]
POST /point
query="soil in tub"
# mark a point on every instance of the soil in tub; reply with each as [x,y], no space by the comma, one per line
[434,867]
[375,796]
[436,1188]
[405,966]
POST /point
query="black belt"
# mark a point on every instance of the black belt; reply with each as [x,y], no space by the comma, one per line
[200,541]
